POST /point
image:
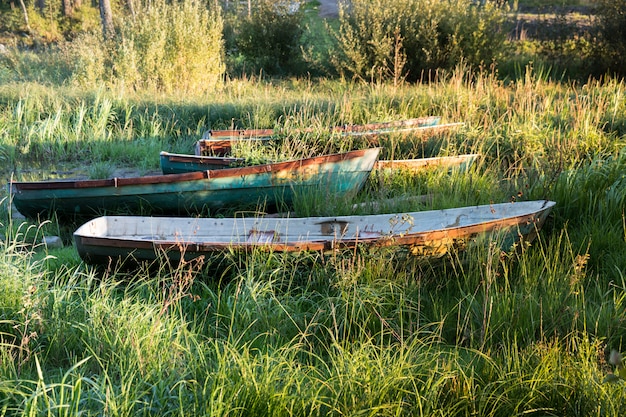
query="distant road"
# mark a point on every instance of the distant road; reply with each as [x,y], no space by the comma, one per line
[328,8]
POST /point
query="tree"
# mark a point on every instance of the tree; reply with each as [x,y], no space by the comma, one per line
[611,16]
[131,8]
[106,16]
[67,8]
[23,6]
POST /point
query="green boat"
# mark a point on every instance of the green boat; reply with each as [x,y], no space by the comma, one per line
[179,163]
[251,187]
[174,163]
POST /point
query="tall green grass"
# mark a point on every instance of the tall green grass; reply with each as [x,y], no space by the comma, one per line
[359,332]
[530,126]
[163,47]
[272,334]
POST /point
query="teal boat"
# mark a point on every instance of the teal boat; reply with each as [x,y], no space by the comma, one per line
[251,187]
[179,163]
[174,163]
[427,233]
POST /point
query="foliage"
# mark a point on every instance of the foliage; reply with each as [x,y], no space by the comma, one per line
[165,47]
[405,40]
[46,65]
[612,23]
[412,39]
[265,38]
[48,26]
[52,129]
[20,308]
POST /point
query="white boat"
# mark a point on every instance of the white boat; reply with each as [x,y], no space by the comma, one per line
[425,233]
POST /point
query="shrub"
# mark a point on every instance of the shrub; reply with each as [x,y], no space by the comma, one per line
[612,26]
[266,38]
[45,65]
[378,39]
[165,47]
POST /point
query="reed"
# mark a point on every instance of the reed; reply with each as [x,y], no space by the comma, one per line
[479,332]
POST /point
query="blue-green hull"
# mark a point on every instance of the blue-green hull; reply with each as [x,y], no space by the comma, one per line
[196,192]
[180,164]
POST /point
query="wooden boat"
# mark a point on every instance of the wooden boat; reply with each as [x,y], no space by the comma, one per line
[421,164]
[195,192]
[179,163]
[174,163]
[427,233]
[219,142]
[259,133]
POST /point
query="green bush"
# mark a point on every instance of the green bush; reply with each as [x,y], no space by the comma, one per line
[612,26]
[166,47]
[266,38]
[410,39]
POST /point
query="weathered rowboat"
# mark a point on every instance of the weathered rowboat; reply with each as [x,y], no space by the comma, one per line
[259,133]
[427,233]
[195,192]
[421,164]
[173,163]
[219,142]
[180,163]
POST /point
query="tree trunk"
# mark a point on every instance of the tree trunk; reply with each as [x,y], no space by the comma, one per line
[23,6]
[106,15]
[67,8]
[131,8]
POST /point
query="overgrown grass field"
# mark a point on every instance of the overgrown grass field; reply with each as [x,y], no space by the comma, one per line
[359,333]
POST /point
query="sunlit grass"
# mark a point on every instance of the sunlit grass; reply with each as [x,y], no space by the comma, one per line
[376,332]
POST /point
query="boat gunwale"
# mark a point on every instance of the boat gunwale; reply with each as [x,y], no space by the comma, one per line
[191,176]
[239,133]
[536,216]
[217,160]
[426,162]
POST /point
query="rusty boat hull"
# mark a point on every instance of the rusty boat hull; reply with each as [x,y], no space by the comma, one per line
[220,142]
[429,233]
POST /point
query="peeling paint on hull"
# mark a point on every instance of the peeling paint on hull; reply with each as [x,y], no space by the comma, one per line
[428,233]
